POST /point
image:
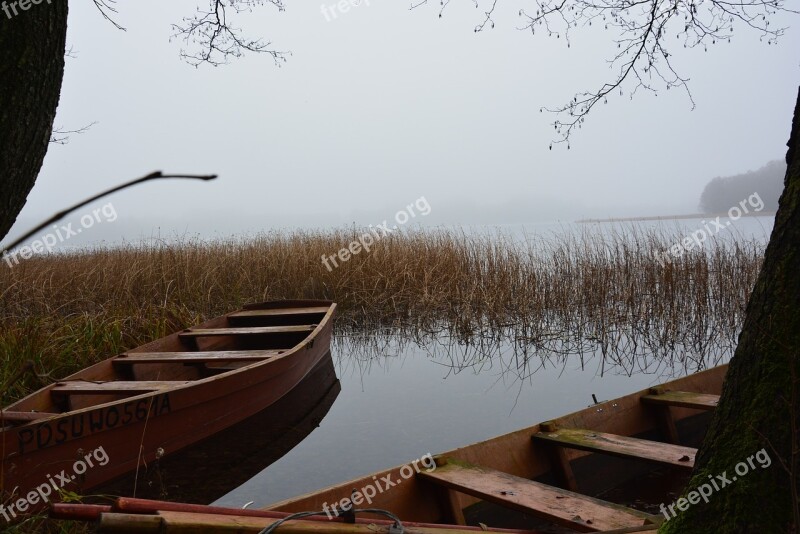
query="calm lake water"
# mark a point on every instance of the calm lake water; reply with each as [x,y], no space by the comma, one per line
[401,399]
[412,401]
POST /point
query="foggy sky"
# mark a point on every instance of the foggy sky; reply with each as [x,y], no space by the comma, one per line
[384,105]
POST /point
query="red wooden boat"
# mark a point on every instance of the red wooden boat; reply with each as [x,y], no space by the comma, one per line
[116,415]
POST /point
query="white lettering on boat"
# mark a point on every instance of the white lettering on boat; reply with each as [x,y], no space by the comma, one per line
[52,433]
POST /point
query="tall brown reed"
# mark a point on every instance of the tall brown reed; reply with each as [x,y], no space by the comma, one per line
[556,291]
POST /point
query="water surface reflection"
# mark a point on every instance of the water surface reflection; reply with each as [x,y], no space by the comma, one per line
[404,396]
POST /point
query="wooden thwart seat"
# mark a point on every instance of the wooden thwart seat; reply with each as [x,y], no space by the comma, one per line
[573,510]
[115,387]
[24,417]
[197,357]
[626,447]
[683,399]
[246,331]
[281,311]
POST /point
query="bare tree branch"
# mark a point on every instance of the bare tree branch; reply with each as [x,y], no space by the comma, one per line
[61,137]
[641,28]
[157,175]
[215,40]
[106,6]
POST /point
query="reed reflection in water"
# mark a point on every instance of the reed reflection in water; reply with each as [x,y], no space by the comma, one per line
[406,393]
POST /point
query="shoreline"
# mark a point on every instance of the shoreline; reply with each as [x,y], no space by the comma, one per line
[673,217]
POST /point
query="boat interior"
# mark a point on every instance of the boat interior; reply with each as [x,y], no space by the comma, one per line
[606,467]
[253,335]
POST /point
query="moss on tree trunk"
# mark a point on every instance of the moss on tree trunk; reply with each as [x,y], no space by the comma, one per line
[757,408]
[32,46]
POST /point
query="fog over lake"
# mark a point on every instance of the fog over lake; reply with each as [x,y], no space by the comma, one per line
[382,105]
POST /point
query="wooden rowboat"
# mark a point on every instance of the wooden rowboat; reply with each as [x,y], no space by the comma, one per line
[112,417]
[542,478]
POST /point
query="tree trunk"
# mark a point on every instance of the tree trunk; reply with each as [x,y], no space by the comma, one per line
[32,47]
[758,409]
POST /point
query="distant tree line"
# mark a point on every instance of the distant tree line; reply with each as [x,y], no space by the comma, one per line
[725,191]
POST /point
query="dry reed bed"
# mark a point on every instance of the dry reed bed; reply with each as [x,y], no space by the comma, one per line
[554,293]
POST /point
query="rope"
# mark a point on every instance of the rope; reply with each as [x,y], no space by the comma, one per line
[397,528]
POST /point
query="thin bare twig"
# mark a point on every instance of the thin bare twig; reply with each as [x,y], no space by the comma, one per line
[106,6]
[157,175]
[61,137]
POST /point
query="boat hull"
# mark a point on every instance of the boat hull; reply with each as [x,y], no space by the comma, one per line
[82,449]
[241,451]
